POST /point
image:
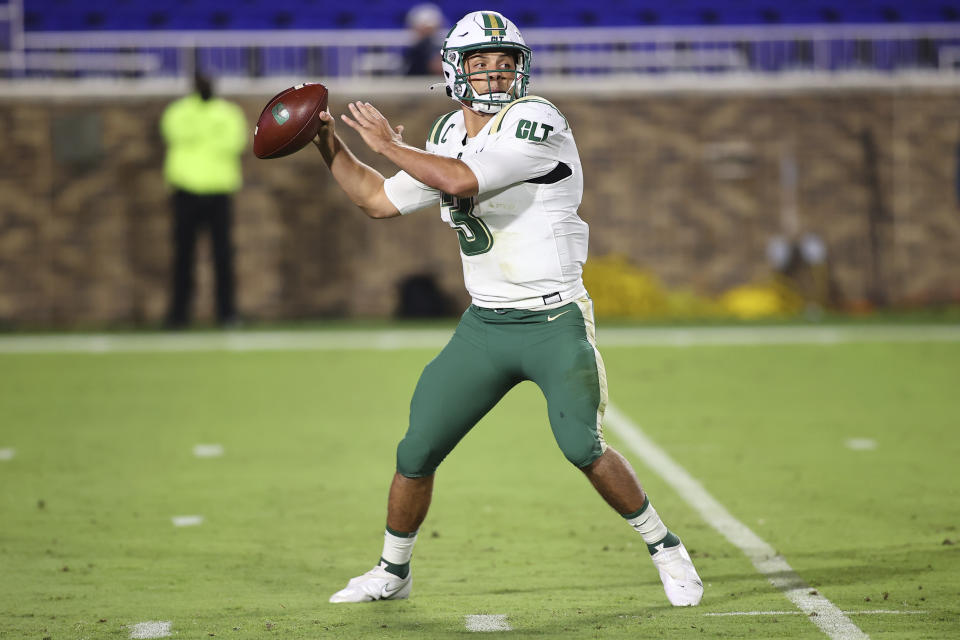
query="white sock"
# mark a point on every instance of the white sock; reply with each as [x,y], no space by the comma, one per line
[397,549]
[649,525]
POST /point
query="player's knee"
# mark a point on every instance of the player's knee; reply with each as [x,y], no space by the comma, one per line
[415,457]
[581,451]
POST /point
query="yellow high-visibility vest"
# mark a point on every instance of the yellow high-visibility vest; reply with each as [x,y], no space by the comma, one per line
[204,141]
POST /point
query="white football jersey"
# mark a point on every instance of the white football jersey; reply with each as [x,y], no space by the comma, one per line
[521,241]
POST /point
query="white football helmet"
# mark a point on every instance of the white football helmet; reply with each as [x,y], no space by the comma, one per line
[483,31]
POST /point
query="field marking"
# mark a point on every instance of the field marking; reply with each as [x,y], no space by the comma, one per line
[7,454]
[486,623]
[885,612]
[208,450]
[861,444]
[153,629]
[187,521]
[781,575]
[800,613]
[393,339]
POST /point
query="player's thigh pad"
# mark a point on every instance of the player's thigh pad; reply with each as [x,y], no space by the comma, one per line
[569,370]
[455,390]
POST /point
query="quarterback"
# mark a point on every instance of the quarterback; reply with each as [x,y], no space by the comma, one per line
[504,169]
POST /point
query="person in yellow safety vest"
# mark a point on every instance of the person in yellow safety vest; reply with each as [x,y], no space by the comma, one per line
[205,137]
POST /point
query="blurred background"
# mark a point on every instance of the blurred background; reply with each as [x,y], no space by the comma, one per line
[742,158]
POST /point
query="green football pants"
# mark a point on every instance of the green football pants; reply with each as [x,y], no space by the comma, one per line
[492,351]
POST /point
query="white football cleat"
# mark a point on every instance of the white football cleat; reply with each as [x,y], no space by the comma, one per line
[680,579]
[376,584]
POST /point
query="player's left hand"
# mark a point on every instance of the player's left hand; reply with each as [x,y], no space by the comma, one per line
[372,126]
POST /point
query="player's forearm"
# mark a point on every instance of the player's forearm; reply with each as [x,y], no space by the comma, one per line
[361,182]
[449,175]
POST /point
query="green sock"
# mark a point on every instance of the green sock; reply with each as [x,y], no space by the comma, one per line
[399,570]
[670,540]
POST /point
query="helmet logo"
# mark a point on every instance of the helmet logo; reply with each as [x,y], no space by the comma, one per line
[493,26]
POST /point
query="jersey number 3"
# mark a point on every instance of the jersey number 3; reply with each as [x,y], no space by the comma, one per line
[474,234]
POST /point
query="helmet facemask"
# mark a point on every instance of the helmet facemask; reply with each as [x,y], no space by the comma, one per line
[489,100]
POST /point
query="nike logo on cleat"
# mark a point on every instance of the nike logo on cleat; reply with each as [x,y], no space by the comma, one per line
[552,318]
[387,594]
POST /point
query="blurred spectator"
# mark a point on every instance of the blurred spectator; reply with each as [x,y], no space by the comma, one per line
[426,21]
[205,137]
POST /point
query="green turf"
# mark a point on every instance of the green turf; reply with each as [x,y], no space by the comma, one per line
[296,506]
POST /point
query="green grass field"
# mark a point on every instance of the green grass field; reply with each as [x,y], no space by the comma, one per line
[97,457]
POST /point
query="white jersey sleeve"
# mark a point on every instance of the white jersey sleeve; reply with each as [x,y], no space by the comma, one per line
[409,194]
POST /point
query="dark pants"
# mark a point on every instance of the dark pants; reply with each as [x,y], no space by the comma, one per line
[192,213]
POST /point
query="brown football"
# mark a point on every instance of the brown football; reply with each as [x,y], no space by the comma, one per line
[289,121]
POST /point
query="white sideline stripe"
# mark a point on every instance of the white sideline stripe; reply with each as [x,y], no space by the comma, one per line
[393,339]
[821,611]
[754,336]
[483,623]
[335,340]
[157,629]
[208,450]
[861,444]
[6,454]
[187,521]
[800,613]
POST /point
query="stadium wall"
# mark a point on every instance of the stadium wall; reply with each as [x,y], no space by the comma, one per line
[687,185]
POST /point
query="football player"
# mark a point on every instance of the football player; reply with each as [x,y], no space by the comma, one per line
[505,171]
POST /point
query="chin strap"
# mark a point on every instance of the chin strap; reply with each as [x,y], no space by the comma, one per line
[488,107]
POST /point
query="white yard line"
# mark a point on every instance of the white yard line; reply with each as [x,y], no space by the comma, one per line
[823,613]
[7,454]
[208,450]
[496,622]
[187,521]
[869,612]
[150,630]
[392,339]
[861,444]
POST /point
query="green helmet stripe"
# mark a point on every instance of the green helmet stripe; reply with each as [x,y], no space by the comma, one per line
[493,25]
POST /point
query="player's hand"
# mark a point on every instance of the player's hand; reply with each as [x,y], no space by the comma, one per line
[327,126]
[375,129]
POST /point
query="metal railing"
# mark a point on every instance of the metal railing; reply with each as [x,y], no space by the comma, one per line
[834,49]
